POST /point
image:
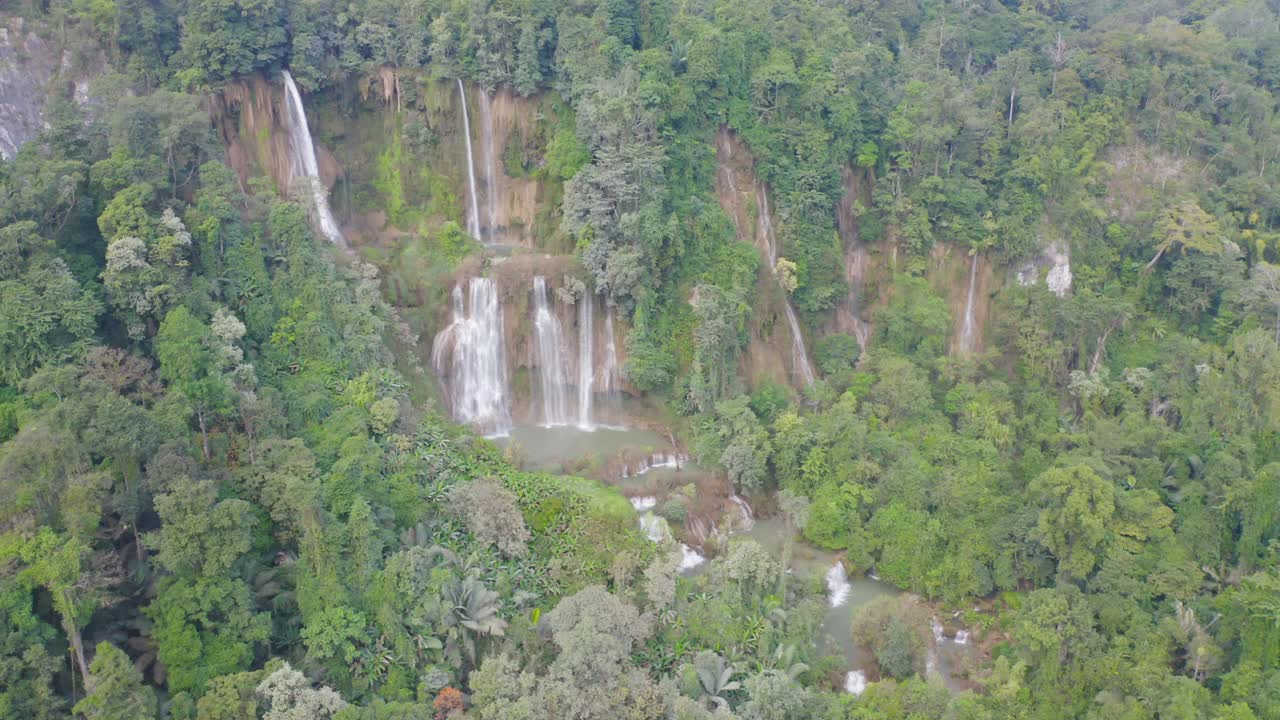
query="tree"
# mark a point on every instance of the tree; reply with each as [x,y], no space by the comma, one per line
[224,39]
[1076,507]
[491,514]
[288,695]
[896,629]
[192,363]
[200,534]
[715,678]
[1188,227]
[205,627]
[116,691]
[57,563]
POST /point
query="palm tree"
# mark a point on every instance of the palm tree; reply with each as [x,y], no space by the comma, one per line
[715,677]
[471,613]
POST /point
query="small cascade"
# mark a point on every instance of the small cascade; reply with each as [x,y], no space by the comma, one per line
[966,330]
[799,356]
[549,340]
[656,461]
[586,360]
[962,637]
[303,166]
[658,531]
[473,220]
[470,353]
[748,518]
[838,587]
[855,682]
[939,635]
[491,167]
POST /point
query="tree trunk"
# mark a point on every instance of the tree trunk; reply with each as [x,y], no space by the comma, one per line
[77,650]
[204,433]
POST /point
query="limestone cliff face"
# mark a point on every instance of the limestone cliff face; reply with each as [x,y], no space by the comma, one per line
[35,69]
[744,198]
[392,148]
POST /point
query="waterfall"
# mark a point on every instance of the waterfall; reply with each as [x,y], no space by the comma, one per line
[491,168]
[855,682]
[658,531]
[550,346]
[966,331]
[799,356]
[838,587]
[302,162]
[470,353]
[586,360]
[473,221]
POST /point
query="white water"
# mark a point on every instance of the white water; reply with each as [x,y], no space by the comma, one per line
[303,166]
[491,167]
[936,628]
[966,331]
[473,220]
[855,682]
[470,353]
[549,340]
[799,356]
[658,531]
[838,586]
[962,637]
[655,461]
[586,360]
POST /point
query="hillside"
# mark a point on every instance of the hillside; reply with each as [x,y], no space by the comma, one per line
[671,359]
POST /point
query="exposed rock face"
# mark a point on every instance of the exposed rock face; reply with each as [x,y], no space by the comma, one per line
[33,70]
[249,116]
[1053,264]
[850,316]
[27,65]
[742,196]
[967,282]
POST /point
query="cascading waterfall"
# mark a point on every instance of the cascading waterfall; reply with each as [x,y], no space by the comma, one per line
[302,162]
[966,330]
[549,340]
[799,356]
[658,531]
[470,353]
[473,220]
[586,360]
[838,587]
[491,167]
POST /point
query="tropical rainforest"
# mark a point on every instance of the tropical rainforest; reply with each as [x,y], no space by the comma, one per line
[977,299]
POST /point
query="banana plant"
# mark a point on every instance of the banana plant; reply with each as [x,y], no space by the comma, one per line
[715,678]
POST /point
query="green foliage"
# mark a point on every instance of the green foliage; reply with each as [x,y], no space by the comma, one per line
[117,692]
[204,628]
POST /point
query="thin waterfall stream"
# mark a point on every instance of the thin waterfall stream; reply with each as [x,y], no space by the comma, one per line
[549,341]
[473,220]
[799,356]
[303,165]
